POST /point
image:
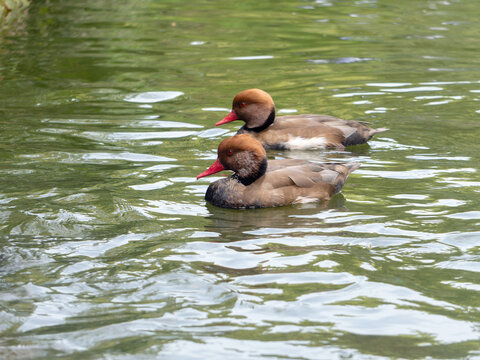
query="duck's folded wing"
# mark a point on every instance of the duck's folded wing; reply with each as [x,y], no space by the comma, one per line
[274,165]
[307,182]
[333,131]
[307,175]
[354,132]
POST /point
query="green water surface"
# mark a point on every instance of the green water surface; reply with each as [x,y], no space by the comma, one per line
[107,247]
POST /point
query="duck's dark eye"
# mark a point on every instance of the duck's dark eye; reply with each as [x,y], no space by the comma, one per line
[229,152]
[242,104]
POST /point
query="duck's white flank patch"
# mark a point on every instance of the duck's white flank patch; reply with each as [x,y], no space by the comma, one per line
[300,143]
[304,200]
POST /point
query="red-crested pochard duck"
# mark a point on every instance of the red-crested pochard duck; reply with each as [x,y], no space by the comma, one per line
[257,182]
[289,132]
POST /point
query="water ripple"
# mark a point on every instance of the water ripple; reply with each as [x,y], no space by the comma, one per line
[153,96]
[108,248]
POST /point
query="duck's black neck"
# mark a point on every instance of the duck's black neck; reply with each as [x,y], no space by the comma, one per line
[265,125]
[254,175]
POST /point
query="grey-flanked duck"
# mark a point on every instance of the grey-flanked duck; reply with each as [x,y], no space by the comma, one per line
[258,183]
[290,132]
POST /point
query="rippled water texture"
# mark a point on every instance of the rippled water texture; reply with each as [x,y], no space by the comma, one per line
[107,247]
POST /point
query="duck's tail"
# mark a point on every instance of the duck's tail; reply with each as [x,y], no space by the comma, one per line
[352,166]
[343,170]
[379,130]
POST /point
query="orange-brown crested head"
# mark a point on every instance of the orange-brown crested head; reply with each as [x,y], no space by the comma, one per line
[244,155]
[255,107]
[252,96]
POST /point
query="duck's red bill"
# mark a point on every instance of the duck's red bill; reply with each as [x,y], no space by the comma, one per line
[230,117]
[214,168]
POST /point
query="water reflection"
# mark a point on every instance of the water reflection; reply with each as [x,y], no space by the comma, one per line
[107,246]
[153,96]
[267,219]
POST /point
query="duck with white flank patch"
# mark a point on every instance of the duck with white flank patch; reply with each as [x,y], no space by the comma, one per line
[258,183]
[290,132]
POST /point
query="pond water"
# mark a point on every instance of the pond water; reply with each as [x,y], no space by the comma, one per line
[107,247]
